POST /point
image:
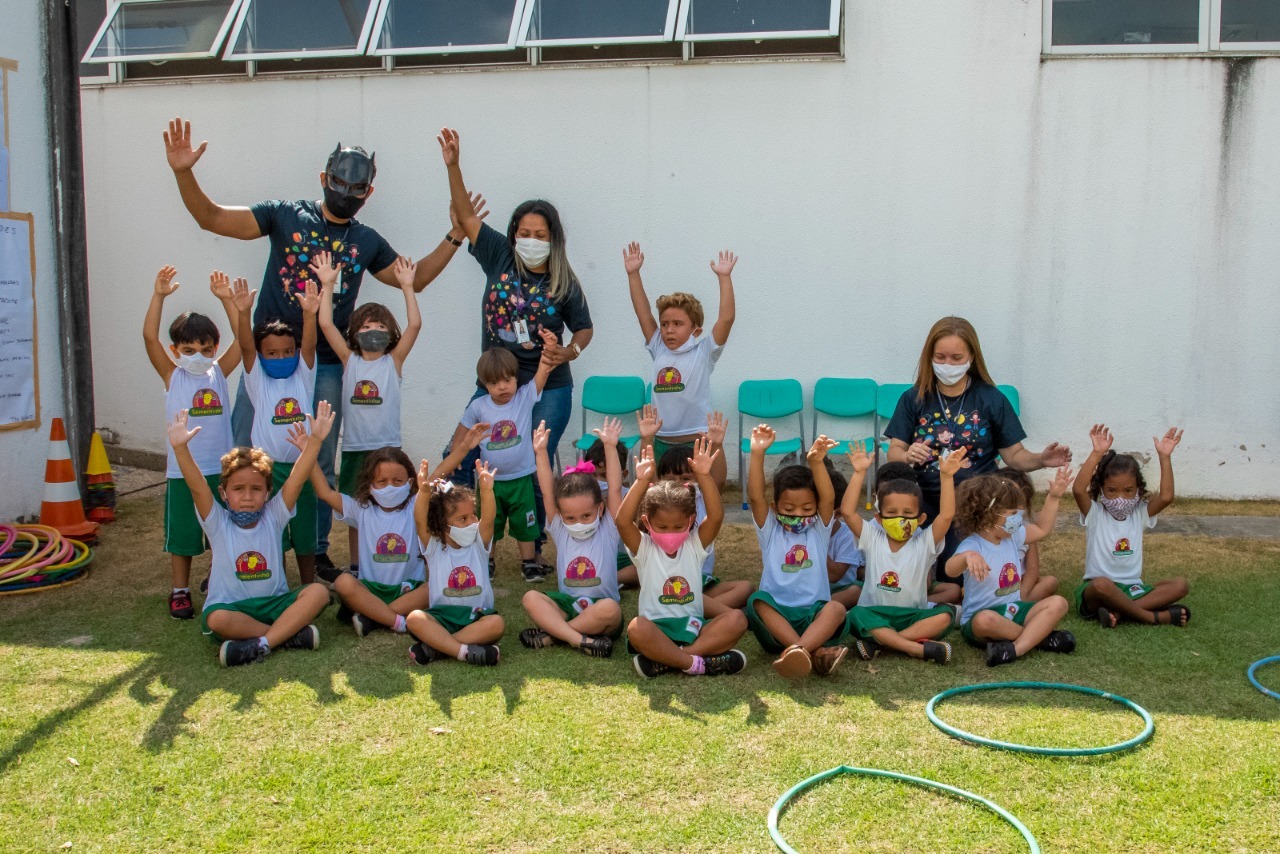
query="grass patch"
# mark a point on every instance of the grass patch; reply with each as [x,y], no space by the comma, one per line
[351,747]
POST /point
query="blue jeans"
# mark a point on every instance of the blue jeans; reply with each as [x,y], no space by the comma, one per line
[328,387]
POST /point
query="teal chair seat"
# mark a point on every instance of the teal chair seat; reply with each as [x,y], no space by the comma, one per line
[769,400]
[607,395]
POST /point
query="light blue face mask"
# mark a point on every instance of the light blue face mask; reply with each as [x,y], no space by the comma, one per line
[246,518]
[1013,523]
[279,369]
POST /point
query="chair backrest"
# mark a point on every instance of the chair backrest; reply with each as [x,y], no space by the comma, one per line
[887,399]
[845,398]
[613,395]
[1015,399]
[770,398]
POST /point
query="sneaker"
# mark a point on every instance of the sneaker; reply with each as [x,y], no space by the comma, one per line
[308,638]
[1058,641]
[794,662]
[422,654]
[354,569]
[493,568]
[726,663]
[648,668]
[325,570]
[596,646]
[939,652]
[866,648]
[532,572]
[180,605]
[482,654]
[344,613]
[234,653]
[1001,652]
[204,585]
[828,658]
[363,625]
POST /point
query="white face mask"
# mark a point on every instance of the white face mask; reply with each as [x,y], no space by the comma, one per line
[582,530]
[534,253]
[950,374]
[391,497]
[464,536]
[196,364]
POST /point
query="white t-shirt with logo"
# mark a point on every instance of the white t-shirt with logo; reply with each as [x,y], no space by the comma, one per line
[277,406]
[1003,583]
[509,445]
[370,403]
[844,549]
[587,568]
[795,565]
[247,563]
[459,576]
[671,587]
[208,406]
[682,383]
[1113,549]
[390,552]
[899,579]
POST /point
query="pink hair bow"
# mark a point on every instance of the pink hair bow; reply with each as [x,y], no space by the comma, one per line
[584,467]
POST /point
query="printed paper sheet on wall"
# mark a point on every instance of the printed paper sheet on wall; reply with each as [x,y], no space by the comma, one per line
[19,397]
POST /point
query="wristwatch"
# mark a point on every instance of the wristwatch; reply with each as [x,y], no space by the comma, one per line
[449,237]
[576,348]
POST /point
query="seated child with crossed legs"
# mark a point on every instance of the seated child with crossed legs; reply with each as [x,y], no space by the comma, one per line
[1035,587]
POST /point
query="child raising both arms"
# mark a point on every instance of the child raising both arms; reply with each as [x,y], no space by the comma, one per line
[1115,511]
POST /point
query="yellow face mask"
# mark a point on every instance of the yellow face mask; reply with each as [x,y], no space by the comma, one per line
[900,528]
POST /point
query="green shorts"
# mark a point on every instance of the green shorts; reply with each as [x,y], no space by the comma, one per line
[624,561]
[800,619]
[516,510]
[678,629]
[389,593]
[264,609]
[864,619]
[455,618]
[1133,591]
[709,581]
[182,532]
[661,446]
[1016,611]
[349,470]
[836,588]
[300,534]
[572,606]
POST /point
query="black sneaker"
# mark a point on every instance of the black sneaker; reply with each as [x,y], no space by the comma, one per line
[482,654]
[308,638]
[234,653]
[648,668]
[1001,652]
[423,655]
[726,663]
[325,570]
[596,646]
[204,585]
[180,605]
[532,571]
[1058,641]
[866,648]
[344,613]
[493,568]
[354,569]
[939,652]
[363,625]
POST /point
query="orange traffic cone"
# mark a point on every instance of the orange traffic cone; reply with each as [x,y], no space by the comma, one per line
[62,508]
[102,486]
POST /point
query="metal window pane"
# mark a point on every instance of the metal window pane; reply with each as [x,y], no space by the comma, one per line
[598,21]
[284,29]
[89,16]
[760,18]
[1126,22]
[428,26]
[161,29]
[1250,21]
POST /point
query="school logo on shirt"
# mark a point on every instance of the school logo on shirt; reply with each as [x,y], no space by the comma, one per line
[676,591]
[503,436]
[288,412]
[581,604]
[1011,610]
[462,582]
[252,566]
[668,380]
[1122,547]
[581,572]
[1009,580]
[391,548]
[889,582]
[366,394]
[797,559]
[205,403]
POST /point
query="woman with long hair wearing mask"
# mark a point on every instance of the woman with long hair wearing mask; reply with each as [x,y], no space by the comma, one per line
[529,286]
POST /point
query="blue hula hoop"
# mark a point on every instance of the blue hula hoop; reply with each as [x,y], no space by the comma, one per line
[780,806]
[1253,669]
[956,732]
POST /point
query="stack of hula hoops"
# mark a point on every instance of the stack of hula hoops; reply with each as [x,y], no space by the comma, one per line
[38,557]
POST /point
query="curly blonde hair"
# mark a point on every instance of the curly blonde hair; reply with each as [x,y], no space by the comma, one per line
[982,500]
[687,303]
[242,458]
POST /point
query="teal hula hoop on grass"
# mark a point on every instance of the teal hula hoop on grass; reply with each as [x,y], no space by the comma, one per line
[1253,669]
[781,805]
[1147,730]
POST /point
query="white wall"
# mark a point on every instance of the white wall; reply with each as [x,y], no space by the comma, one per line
[1102,222]
[23,452]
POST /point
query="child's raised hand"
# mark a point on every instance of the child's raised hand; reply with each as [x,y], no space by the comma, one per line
[1061,482]
[242,296]
[424,477]
[325,271]
[484,475]
[953,462]
[700,462]
[473,437]
[449,146]
[322,423]
[405,271]
[762,436]
[1165,446]
[609,432]
[649,421]
[858,457]
[724,265]
[821,446]
[632,258]
[298,436]
[1101,438]
[717,426]
[220,285]
[179,435]
[976,565]
[165,284]
[309,299]
[644,464]
[541,436]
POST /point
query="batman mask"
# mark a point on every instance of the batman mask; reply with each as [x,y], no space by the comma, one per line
[348,178]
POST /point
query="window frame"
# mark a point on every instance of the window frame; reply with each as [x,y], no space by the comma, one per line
[360,49]
[114,8]
[384,6]
[526,23]
[1209,41]
[1215,35]
[683,34]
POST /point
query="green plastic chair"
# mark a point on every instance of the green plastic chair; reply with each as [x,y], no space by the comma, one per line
[887,398]
[845,399]
[769,400]
[1015,399]
[610,396]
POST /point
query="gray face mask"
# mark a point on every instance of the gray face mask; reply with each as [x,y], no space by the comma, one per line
[373,340]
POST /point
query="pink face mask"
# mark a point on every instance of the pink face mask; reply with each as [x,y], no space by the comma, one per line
[669,542]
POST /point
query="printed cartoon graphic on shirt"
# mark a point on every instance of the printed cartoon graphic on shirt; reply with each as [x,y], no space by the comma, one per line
[1122,547]
[962,431]
[252,566]
[288,412]
[509,302]
[668,380]
[462,582]
[889,582]
[676,591]
[296,272]
[366,394]
[797,559]
[1009,580]
[205,402]
[391,548]
[503,435]
[581,572]
[1011,610]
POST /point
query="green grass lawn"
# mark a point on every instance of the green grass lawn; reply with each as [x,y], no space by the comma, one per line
[351,747]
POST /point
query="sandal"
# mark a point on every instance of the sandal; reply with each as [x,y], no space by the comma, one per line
[535,639]
[596,646]
[1106,619]
[794,662]
[866,648]
[1179,616]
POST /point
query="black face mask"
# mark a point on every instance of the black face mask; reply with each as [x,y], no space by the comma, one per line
[348,181]
[341,205]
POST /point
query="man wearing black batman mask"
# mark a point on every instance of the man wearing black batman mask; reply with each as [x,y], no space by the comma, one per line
[297,230]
